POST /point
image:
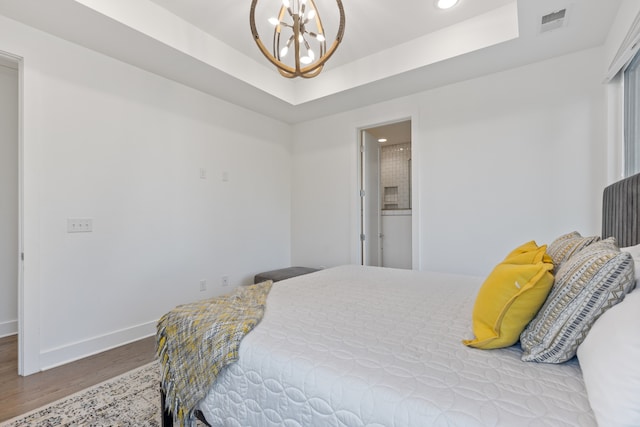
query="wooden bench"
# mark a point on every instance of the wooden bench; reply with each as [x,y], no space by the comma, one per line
[282,274]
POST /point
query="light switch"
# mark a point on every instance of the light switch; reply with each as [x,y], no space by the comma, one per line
[79,225]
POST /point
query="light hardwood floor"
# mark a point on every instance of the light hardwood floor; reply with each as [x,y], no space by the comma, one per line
[23,394]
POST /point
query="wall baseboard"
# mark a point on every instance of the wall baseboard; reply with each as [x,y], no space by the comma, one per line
[8,328]
[79,350]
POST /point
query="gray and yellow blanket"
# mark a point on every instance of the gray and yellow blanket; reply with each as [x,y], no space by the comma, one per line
[195,341]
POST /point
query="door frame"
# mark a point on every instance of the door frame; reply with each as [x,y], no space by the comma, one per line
[416,151]
[28,337]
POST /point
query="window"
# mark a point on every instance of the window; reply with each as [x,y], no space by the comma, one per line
[631,117]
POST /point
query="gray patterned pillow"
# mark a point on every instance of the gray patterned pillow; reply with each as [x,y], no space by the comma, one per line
[566,245]
[588,284]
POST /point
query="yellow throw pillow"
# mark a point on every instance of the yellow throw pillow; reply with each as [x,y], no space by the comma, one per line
[528,253]
[523,249]
[507,301]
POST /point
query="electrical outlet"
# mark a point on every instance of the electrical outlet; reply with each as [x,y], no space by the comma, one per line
[225,280]
[203,285]
[79,225]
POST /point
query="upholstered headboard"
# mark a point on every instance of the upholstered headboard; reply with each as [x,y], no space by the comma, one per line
[621,211]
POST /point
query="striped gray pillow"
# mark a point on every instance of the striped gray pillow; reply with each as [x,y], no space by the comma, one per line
[566,245]
[587,284]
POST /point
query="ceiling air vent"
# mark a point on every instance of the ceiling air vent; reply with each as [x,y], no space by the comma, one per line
[553,20]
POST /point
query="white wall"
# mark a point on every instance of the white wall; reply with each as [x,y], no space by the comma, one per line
[108,141]
[8,198]
[498,160]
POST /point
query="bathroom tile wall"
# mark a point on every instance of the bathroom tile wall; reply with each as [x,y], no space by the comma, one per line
[395,172]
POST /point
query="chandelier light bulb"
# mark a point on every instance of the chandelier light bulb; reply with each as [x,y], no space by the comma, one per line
[274,21]
[286,3]
[311,14]
[284,51]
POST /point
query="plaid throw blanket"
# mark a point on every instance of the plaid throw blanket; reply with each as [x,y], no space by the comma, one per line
[195,341]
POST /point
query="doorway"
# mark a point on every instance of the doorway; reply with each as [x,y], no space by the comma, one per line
[385,195]
[9,196]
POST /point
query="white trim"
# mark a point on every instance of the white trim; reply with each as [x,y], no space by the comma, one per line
[8,328]
[81,349]
[29,240]
[416,148]
[356,245]
[28,345]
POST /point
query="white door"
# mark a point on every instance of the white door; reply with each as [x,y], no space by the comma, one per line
[370,199]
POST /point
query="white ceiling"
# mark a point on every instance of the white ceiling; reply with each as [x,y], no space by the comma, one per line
[394,133]
[390,48]
[370,27]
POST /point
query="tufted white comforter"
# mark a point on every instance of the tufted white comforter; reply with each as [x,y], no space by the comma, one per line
[365,346]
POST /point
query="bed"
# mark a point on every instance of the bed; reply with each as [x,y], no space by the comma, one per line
[368,346]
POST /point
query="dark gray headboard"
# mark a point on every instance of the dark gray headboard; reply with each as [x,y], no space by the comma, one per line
[620,211]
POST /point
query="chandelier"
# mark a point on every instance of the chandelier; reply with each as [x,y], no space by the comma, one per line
[299,42]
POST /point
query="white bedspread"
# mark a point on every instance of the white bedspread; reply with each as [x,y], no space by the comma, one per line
[364,346]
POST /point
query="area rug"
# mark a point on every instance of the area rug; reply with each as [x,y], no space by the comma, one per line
[131,399]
